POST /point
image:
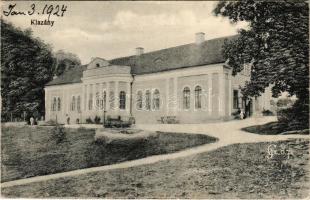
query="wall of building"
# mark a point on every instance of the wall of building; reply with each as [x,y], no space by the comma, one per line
[216,83]
[65,93]
[210,78]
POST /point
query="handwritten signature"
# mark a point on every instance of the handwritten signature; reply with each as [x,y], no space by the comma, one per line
[49,10]
[274,150]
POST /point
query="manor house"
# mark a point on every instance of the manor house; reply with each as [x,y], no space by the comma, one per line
[191,83]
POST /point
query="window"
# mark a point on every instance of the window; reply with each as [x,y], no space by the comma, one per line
[139,100]
[90,102]
[186,98]
[122,100]
[97,100]
[73,103]
[156,100]
[147,100]
[78,104]
[59,104]
[236,100]
[197,97]
[97,65]
[54,104]
[111,99]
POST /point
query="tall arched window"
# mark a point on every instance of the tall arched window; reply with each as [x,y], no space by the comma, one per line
[78,104]
[122,100]
[139,100]
[148,100]
[197,97]
[156,100]
[186,98]
[54,104]
[97,100]
[59,104]
[90,102]
[73,103]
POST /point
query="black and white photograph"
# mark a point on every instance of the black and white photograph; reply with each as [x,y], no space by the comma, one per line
[155,99]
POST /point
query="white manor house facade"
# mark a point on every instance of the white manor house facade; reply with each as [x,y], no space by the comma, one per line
[191,83]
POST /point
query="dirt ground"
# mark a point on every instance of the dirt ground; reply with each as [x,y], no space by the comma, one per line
[237,171]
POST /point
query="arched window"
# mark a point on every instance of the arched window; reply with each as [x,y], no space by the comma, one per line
[54,104]
[156,100]
[97,100]
[197,97]
[122,100]
[147,100]
[90,102]
[139,100]
[78,104]
[186,98]
[73,103]
[59,104]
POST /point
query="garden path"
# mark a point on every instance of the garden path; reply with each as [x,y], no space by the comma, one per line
[227,132]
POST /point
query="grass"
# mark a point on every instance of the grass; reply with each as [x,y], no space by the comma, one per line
[33,151]
[272,128]
[235,171]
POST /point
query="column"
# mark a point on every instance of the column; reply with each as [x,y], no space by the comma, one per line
[128,97]
[175,92]
[108,96]
[230,101]
[210,93]
[221,94]
[116,95]
[167,97]
[85,97]
[94,97]
[63,103]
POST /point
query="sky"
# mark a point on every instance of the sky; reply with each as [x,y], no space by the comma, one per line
[114,29]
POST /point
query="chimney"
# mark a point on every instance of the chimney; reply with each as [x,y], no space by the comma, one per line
[200,37]
[139,51]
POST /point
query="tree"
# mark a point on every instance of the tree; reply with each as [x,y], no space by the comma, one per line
[276,43]
[65,61]
[26,66]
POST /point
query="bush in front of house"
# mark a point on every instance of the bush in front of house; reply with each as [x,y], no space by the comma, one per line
[97,120]
[295,117]
[267,113]
[89,120]
[59,133]
[118,122]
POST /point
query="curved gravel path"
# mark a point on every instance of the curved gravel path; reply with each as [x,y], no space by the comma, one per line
[227,132]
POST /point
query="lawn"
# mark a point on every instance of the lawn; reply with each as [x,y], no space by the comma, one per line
[235,171]
[33,151]
[272,128]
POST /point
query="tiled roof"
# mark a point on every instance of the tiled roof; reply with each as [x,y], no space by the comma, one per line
[73,75]
[189,55]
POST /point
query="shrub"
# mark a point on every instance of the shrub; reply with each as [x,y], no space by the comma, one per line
[51,123]
[267,113]
[97,120]
[89,121]
[59,133]
[236,114]
[295,117]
